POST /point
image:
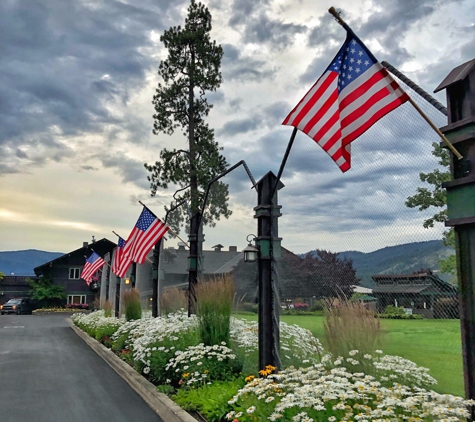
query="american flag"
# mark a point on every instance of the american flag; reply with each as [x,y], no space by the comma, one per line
[120,263]
[352,94]
[148,231]
[93,263]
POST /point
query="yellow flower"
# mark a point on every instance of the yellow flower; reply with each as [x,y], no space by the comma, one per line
[186,374]
[249,378]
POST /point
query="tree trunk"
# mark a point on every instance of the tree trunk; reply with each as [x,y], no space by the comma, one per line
[191,139]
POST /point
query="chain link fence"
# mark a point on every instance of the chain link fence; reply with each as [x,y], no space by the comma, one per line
[346,236]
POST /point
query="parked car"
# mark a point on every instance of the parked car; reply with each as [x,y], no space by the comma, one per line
[21,305]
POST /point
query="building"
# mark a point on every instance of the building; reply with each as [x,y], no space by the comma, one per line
[14,286]
[66,271]
[422,293]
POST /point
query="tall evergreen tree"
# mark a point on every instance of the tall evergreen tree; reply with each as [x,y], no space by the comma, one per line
[191,69]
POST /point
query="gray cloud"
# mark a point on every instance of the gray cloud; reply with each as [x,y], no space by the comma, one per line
[64,62]
[131,171]
[235,66]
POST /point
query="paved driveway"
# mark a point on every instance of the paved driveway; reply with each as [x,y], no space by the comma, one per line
[48,374]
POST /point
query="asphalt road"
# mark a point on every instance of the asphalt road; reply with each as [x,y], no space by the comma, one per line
[48,374]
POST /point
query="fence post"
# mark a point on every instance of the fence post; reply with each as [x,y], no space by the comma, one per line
[460,86]
[268,244]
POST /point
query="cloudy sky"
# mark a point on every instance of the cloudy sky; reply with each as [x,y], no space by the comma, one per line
[76,83]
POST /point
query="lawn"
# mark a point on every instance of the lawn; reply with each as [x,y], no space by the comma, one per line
[432,343]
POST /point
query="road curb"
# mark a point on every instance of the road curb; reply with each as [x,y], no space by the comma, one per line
[163,406]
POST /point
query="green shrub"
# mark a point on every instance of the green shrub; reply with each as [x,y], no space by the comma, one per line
[394,310]
[214,303]
[403,316]
[211,401]
[160,352]
[132,304]
[249,307]
[105,331]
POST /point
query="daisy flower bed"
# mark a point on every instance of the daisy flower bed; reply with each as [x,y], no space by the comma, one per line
[222,381]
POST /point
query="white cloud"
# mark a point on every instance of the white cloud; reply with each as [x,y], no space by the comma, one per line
[76,118]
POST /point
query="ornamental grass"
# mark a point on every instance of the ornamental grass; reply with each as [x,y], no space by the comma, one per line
[349,326]
[173,299]
[132,304]
[214,304]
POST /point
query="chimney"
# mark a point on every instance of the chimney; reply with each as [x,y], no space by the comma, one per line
[181,246]
[233,249]
[218,247]
[85,244]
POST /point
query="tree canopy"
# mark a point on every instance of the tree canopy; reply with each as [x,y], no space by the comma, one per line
[191,69]
[435,196]
[45,291]
[320,274]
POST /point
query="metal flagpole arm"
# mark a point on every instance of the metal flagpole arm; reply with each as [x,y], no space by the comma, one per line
[338,18]
[169,228]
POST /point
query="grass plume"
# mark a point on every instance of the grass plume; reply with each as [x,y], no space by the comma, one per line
[214,303]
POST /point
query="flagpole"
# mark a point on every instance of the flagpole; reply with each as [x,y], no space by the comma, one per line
[448,143]
[147,258]
[284,160]
[169,228]
[338,18]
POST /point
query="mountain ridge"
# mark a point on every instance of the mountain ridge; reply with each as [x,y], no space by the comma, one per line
[398,259]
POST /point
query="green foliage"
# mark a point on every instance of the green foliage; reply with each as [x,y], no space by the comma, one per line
[401,316]
[104,332]
[132,305]
[211,401]
[436,197]
[191,69]
[398,312]
[43,289]
[162,351]
[1,276]
[214,305]
[394,310]
[165,389]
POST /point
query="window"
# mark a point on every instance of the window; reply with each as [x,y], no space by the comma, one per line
[76,299]
[74,273]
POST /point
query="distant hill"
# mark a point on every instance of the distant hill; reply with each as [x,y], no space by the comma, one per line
[23,262]
[399,259]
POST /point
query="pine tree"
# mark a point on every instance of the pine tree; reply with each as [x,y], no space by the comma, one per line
[191,69]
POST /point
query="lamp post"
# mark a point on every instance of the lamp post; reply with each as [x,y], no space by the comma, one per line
[268,245]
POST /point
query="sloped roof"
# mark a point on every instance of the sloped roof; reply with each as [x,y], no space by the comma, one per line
[102,247]
[214,262]
[424,283]
[457,74]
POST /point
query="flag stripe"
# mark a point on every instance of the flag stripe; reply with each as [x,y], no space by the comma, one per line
[121,262]
[147,232]
[92,265]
